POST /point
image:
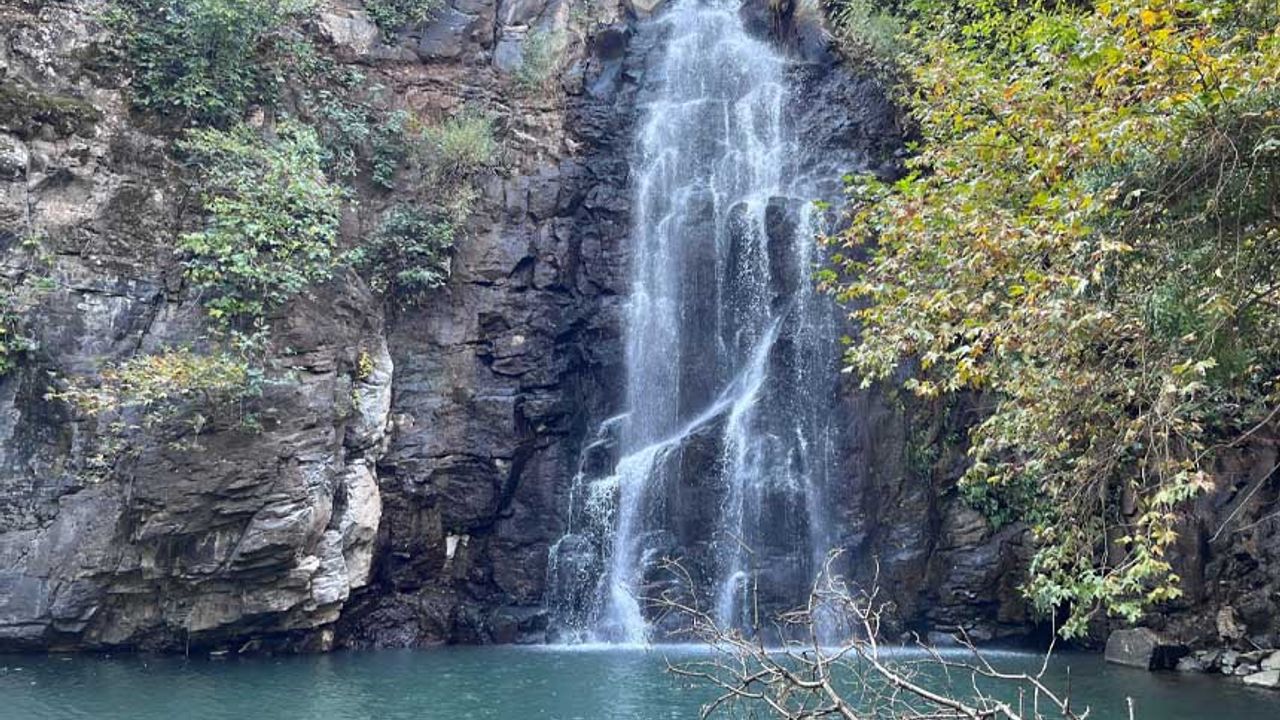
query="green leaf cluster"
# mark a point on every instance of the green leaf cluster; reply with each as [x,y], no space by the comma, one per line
[392,15]
[541,56]
[161,380]
[202,62]
[1089,235]
[409,254]
[272,218]
[14,341]
[462,144]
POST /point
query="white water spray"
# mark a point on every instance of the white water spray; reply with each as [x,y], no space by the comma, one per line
[721,455]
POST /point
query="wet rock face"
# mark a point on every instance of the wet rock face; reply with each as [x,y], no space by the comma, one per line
[940,565]
[497,387]
[405,473]
[414,502]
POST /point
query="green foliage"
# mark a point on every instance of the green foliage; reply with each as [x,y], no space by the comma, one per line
[868,33]
[273,219]
[149,392]
[463,144]
[338,101]
[444,154]
[441,157]
[201,61]
[343,126]
[391,15]
[14,342]
[408,255]
[153,383]
[1090,236]
[392,142]
[540,58]
[19,295]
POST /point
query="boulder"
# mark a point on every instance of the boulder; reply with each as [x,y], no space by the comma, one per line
[445,35]
[1266,679]
[1191,664]
[520,12]
[355,32]
[1143,648]
[1209,658]
[1272,662]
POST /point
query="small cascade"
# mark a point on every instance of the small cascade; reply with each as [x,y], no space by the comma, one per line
[722,457]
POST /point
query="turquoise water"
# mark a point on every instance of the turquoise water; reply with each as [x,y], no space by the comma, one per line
[496,682]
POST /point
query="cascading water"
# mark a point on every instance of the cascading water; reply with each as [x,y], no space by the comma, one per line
[721,458]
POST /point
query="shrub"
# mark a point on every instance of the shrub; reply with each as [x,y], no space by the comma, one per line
[391,15]
[392,142]
[146,392]
[14,342]
[463,144]
[334,99]
[445,154]
[540,59]
[868,33]
[273,218]
[156,383]
[408,255]
[201,61]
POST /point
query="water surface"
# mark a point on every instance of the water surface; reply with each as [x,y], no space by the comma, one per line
[494,682]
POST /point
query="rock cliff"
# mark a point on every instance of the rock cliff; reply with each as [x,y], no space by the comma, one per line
[407,469]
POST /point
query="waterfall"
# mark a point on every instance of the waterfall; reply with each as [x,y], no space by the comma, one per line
[721,458]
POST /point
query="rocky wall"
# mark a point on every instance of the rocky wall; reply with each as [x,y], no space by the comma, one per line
[408,467]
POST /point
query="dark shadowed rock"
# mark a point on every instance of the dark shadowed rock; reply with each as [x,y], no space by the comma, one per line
[1143,648]
[445,35]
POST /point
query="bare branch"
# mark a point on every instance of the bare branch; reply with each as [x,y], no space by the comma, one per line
[809,674]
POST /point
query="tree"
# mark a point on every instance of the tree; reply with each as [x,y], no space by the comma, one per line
[1089,235]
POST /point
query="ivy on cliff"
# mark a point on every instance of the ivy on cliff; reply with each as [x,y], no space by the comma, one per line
[1089,234]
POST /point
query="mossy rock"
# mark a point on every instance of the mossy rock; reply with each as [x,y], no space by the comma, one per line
[24,110]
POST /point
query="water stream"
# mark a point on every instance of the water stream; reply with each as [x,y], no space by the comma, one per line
[721,457]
